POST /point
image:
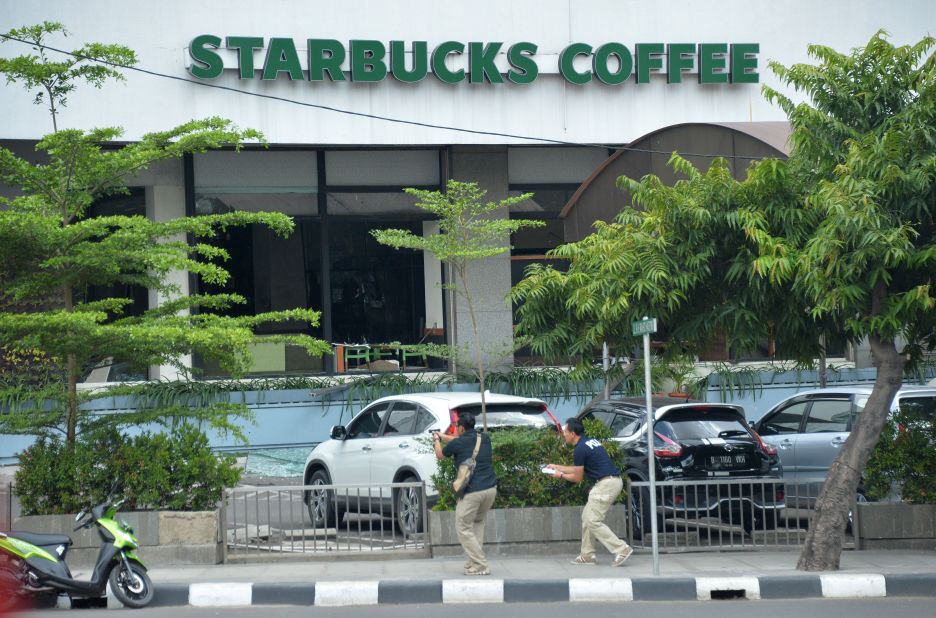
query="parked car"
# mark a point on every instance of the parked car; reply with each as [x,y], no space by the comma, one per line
[809,428]
[696,441]
[381,445]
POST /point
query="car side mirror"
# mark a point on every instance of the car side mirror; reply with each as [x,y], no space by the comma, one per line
[338,432]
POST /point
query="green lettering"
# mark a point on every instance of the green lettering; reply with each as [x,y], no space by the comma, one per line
[677,60]
[481,60]
[211,63]
[625,63]
[398,61]
[367,63]
[566,59]
[708,63]
[245,46]
[326,56]
[438,62]
[648,59]
[281,56]
[524,69]
[744,57]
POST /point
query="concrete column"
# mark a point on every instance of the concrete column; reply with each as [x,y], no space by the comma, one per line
[489,279]
[165,202]
[432,276]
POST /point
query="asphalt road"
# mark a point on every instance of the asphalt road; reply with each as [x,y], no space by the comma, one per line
[819,608]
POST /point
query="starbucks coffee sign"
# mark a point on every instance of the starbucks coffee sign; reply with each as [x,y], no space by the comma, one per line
[452,62]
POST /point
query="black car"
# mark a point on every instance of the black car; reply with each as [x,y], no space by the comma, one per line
[720,466]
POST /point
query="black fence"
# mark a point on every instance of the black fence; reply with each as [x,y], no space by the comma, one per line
[725,514]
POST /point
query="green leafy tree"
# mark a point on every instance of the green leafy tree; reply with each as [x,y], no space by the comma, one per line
[51,252]
[469,231]
[841,238]
[864,147]
[682,254]
[54,80]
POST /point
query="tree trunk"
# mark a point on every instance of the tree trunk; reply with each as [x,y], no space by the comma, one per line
[477,345]
[72,413]
[823,365]
[823,546]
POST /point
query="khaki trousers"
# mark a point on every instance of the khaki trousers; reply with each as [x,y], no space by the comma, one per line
[600,499]
[470,512]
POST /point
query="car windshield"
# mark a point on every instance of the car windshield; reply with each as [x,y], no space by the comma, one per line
[511,414]
[695,425]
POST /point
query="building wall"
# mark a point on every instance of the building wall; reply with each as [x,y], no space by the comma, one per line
[492,119]
[161,30]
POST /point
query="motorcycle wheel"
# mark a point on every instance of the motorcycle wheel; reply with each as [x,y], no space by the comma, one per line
[132,586]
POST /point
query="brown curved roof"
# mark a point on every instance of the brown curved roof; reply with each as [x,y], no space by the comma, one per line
[598,198]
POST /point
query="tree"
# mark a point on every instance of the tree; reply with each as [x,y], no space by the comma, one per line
[56,79]
[864,147]
[839,239]
[51,253]
[468,232]
[682,254]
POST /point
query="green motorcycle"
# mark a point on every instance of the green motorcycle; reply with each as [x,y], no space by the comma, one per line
[32,566]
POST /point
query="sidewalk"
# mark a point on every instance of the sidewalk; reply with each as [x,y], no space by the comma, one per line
[688,576]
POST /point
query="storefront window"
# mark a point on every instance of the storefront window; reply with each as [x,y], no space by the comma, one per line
[377,292]
[530,245]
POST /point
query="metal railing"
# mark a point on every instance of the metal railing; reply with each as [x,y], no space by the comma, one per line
[277,522]
[727,514]
[6,506]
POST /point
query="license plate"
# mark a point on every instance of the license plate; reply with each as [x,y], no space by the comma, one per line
[727,461]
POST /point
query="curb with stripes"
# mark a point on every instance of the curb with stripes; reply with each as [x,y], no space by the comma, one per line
[490,590]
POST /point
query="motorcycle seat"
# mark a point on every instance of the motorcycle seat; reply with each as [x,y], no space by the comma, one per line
[42,540]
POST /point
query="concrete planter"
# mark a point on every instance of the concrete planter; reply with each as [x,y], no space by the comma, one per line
[166,537]
[897,526]
[524,531]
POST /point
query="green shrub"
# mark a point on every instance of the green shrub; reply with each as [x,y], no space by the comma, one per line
[904,459]
[518,455]
[175,471]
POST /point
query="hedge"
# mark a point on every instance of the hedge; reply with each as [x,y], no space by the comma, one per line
[175,471]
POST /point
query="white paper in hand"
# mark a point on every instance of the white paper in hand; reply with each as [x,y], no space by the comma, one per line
[547,470]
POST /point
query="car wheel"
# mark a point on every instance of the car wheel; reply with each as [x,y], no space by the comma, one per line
[409,507]
[323,511]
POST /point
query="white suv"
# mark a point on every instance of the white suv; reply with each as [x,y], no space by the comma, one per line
[381,445]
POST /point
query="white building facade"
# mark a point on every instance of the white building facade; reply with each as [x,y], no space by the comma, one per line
[358,101]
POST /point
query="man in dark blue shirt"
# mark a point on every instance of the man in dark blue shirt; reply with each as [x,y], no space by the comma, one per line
[590,460]
[471,509]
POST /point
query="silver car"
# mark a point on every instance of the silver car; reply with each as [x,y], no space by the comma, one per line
[810,428]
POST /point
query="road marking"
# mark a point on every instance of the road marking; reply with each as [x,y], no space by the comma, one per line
[220,595]
[341,593]
[601,589]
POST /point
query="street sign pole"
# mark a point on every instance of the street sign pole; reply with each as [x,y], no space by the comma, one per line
[645,327]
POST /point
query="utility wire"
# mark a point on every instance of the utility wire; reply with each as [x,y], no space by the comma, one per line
[348,112]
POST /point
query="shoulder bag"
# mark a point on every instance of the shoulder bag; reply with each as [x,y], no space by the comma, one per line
[465,470]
